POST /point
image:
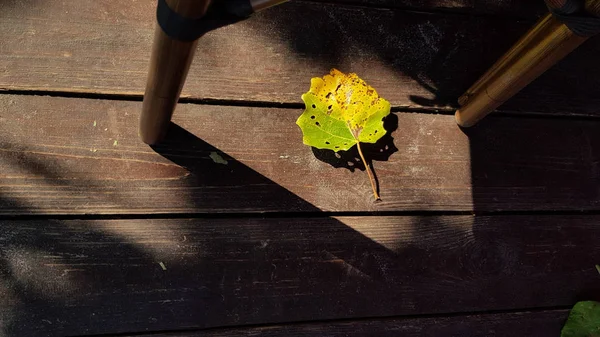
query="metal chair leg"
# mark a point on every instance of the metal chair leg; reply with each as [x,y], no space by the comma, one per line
[539,49]
[169,65]
[171,57]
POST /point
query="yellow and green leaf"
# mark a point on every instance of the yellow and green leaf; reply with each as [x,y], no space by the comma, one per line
[342,110]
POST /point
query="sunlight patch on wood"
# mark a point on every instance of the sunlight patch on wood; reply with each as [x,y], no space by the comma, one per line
[397,234]
[163,243]
[29,271]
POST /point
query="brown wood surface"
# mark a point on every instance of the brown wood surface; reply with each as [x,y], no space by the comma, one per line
[515,8]
[414,59]
[531,324]
[81,156]
[75,277]
[102,234]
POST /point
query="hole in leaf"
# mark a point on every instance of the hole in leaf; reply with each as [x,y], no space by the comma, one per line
[327,143]
[329,107]
[375,131]
[317,124]
[328,94]
[312,117]
[314,106]
[337,147]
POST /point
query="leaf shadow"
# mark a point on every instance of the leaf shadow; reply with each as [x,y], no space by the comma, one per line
[382,150]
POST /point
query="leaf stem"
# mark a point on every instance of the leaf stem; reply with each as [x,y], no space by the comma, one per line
[370,172]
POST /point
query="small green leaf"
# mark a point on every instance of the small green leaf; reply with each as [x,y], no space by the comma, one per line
[217,158]
[583,321]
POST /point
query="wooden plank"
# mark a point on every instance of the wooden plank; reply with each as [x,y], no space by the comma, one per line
[419,60]
[532,324]
[67,155]
[513,8]
[76,277]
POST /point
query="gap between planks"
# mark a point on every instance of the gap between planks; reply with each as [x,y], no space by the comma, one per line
[284,105]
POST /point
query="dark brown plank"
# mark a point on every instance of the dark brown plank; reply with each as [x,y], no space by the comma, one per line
[513,8]
[531,324]
[55,161]
[420,60]
[76,277]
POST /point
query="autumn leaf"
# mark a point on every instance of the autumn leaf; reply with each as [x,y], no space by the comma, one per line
[341,111]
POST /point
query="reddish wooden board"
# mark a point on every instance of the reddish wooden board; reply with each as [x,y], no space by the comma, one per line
[76,277]
[101,234]
[414,59]
[79,156]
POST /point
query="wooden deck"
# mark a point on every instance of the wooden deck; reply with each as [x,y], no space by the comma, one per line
[490,231]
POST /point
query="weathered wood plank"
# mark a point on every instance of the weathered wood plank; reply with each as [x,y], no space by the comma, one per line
[514,8]
[532,324]
[66,155]
[74,277]
[413,59]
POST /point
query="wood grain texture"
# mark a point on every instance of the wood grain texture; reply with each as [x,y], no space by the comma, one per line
[413,59]
[512,8]
[532,324]
[79,156]
[76,277]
